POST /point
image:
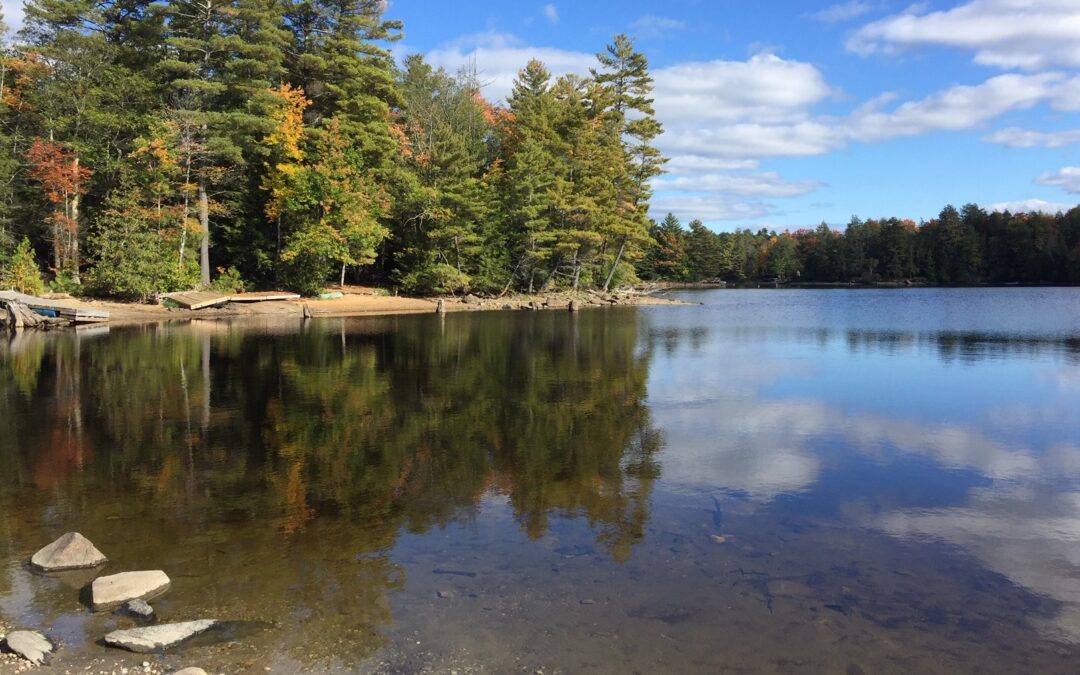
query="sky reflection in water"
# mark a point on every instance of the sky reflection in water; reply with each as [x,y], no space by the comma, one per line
[969,436]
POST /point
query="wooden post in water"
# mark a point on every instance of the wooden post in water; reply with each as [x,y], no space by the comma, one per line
[440,307]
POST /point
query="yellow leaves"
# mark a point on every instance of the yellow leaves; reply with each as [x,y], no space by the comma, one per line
[288,120]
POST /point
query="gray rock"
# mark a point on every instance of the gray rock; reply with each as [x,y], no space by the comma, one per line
[70,552]
[111,591]
[30,645]
[138,608]
[157,638]
[190,671]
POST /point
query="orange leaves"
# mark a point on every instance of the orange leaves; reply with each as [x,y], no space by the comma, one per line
[26,71]
[497,117]
[58,170]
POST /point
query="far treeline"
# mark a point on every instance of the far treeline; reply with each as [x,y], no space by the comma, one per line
[958,247]
[147,147]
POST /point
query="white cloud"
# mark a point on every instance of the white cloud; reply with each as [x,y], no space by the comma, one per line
[551,13]
[1028,34]
[766,184]
[1068,179]
[765,88]
[708,208]
[653,26]
[846,11]
[751,141]
[1015,137]
[1031,206]
[955,109]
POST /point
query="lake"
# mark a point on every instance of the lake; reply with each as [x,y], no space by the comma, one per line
[776,481]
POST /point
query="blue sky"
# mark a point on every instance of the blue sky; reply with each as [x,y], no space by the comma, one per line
[785,113]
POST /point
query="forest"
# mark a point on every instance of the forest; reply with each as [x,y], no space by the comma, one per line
[157,146]
[968,246]
[148,147]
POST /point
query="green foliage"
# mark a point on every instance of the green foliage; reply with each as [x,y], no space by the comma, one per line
[20,271]
[137,247]
[958,247]
[228,281]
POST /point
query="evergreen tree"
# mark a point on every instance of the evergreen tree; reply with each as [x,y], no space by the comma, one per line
[625,73]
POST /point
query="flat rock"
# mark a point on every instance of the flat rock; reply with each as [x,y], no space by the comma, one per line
[190,671]
[157,638]
[30,645]
[111,591]
[70,552]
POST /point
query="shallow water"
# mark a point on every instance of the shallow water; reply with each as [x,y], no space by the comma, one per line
[773,481]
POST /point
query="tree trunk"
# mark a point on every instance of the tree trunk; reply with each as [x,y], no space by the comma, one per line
[75,225]
[615,265]
[342,284]
[204,222]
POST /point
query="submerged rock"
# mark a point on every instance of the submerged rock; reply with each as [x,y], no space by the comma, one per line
[70,552]
[156,638]
[138,608]
[30,645]
[190,671]
[114,590]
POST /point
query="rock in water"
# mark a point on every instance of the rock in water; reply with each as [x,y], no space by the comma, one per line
[114,590]
[156,638]
[30,645]
[190,671]
[70,552]
[138,608]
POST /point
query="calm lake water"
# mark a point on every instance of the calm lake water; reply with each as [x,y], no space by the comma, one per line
[772,481]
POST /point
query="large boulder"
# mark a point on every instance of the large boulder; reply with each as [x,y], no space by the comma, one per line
[111,591]
[30,645]
[70,552]
[157,638]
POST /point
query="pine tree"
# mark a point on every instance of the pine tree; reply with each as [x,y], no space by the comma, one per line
[223,59]
[625,73]
[533,179]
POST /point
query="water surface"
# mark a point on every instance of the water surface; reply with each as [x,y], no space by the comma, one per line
[772,481]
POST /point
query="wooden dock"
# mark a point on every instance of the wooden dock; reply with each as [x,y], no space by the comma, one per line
[66,310]
[203,299]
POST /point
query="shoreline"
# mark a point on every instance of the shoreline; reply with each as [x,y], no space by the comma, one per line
[359,304]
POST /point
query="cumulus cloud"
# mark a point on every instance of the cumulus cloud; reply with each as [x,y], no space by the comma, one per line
[765,88]
[766,184]
[1031,206]
[1028,34]
[551,13]
[1068,179]
[1015,137]
[847,11]
[653,26]
[709,208]
[956,109]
